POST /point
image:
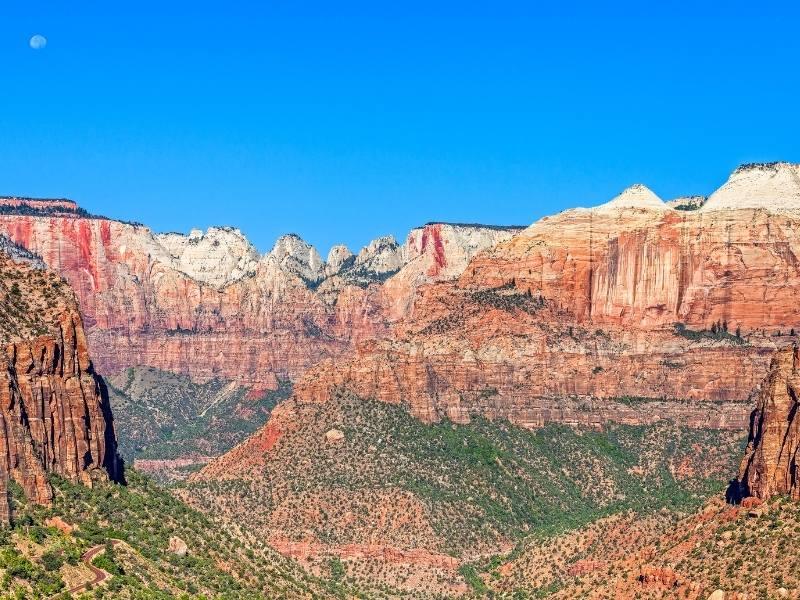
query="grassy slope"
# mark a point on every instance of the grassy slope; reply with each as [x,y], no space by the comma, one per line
[749,551]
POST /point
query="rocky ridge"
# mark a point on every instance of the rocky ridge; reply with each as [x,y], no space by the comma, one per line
[218,257]
[770,186]
[41,206]
[582,311]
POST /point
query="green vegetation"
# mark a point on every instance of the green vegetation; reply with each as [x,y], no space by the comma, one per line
[161,415]
[29,298]
[509,298]
[132,525]
[478,484]
[45,211]
[718,331]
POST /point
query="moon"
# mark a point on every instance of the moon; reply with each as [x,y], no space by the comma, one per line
[38,42]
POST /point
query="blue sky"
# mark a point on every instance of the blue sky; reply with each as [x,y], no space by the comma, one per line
[345,121]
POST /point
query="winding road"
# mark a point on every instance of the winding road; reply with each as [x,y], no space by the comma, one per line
[100,576]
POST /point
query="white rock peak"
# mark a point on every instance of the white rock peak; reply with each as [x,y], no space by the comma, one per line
[636,196]
[337,257]
[771,186]
[381,255]
[218,257]
[297,256]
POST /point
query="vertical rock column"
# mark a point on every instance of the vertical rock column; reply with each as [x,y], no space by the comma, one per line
[54,416]
[770,464]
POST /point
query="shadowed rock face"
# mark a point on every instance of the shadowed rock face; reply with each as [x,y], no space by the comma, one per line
[770,464]
[54,412]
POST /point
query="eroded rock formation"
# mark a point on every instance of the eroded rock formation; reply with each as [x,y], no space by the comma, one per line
[629,312]
[54,415]
[770,467]
[577,318]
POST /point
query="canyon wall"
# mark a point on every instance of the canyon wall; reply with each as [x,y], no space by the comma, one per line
[769,467]
[54,414]
[209,306]
[630,311]
[645,267]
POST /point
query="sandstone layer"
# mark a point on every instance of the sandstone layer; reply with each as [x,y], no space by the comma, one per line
[559,321]
[208,306]
[54,414]
[629,312]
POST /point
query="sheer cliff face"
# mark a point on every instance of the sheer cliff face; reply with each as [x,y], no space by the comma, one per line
[148,303]
[54,416]
[207,305]
[769,467]
[645,267]
[569,319]
[462,319]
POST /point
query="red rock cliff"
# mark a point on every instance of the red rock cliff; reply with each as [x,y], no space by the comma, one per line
[54,415]
[769,467]
[585,314]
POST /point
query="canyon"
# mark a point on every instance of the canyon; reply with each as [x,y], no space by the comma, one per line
[628,312]
[631,313]
[590,304]
[208,306]
[426,406]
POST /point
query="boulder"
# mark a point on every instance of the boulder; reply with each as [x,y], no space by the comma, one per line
[178,547]
[334,436]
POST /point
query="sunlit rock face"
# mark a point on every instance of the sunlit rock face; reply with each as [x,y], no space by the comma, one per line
[634,261]
[219,257]
[570,318]
[769,467]
[768,186]
[207,304]
[54,415]
[549,322]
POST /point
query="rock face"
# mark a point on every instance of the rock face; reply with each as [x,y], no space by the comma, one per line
[339,258]
[445,249]
[42,206]
[651,267]
[298,257]
[54,414]
[567,319]
[218,257]
[564,320]
[207,305]
[177,547]
[770,465]
[771,186]
[636,196]
[142,307]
